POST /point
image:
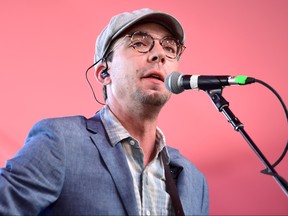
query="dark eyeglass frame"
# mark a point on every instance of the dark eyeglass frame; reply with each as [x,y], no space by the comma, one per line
[179,45]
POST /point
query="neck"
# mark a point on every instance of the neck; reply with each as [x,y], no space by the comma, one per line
[141,123]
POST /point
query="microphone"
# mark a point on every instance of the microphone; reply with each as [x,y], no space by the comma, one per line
[176,82]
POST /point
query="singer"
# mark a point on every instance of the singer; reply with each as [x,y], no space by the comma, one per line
[116,162]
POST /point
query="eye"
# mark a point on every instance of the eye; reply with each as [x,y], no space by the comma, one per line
[169,45]
[138,44]
[141,42]
[170,49]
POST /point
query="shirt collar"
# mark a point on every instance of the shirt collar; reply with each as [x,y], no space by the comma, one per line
[116,132]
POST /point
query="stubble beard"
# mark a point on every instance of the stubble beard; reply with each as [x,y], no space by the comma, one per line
[154,99]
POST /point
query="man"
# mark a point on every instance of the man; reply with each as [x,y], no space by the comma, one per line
[113,163]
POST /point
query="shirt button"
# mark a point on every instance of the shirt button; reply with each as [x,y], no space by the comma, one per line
[132,142]
[148,212]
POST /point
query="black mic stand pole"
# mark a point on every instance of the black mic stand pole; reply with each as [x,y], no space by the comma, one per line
[223,106]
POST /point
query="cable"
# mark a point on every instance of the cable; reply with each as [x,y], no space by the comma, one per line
[277,95]
[266,171]
[87,79]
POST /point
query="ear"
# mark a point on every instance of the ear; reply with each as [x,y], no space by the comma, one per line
[99,69]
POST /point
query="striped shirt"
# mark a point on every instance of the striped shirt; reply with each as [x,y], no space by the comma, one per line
[149,182]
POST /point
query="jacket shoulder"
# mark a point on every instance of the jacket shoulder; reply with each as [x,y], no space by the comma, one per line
[59,125]
[177,159]
[67,122]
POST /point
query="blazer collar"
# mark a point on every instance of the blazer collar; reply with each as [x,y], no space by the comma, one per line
[115,160]
[92,124]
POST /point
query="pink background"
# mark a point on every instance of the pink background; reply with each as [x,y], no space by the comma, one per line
[46,46]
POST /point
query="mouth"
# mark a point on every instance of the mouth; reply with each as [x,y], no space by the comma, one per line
[156,76]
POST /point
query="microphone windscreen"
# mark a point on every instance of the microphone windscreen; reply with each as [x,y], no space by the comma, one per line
[172,82]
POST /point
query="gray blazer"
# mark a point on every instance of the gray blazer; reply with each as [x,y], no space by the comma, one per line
[68,167]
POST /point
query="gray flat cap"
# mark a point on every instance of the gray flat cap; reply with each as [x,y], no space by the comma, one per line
[119,23]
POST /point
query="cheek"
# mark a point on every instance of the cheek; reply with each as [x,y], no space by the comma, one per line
[121,83]
[173,66]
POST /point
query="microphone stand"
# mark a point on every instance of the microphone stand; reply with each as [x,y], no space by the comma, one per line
[223,106]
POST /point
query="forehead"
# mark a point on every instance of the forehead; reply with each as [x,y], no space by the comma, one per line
[151,28]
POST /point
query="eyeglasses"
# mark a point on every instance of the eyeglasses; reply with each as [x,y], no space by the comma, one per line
[143,42]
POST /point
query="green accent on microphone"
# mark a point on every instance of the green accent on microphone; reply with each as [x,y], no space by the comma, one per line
[241,80]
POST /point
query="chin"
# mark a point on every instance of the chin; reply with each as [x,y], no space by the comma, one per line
[154,99]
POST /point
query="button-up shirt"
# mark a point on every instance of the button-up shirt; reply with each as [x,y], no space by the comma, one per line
[149,182]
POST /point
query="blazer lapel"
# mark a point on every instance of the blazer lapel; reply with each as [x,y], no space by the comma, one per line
[116,162]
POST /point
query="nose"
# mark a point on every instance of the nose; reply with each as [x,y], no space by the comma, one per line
[157,54]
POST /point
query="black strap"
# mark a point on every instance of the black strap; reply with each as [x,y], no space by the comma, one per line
[171,189]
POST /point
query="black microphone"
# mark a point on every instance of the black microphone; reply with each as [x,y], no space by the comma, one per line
[176,82]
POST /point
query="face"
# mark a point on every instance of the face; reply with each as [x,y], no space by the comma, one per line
[138,78]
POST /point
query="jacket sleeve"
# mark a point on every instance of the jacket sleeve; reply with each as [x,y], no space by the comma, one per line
[33,178]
